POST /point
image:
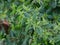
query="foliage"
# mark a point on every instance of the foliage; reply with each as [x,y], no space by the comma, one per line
[32,22]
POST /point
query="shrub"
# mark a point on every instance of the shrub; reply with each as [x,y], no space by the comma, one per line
[32,22]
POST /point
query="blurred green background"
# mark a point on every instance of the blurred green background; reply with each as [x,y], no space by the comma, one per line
[32,22]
